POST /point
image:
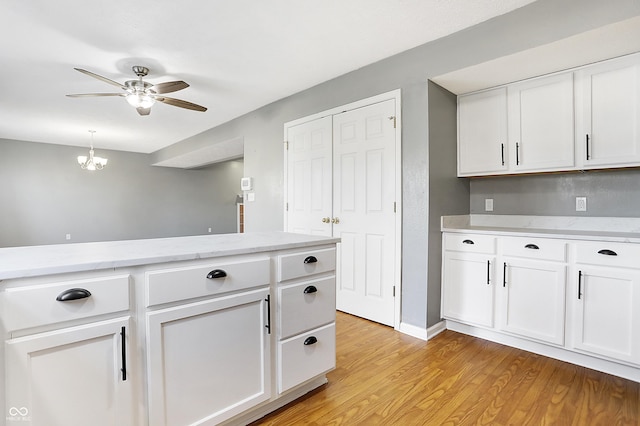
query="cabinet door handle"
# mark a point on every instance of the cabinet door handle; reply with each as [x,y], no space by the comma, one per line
[502,152]
[310,289]
[517,154]
[579,285]
[216,273]
[607,252]
[268,324]
[468,242]
[310,340]
[532,247]
[504,275]
[587,143]
[488,268]
[310,259]
[123,337]
[73,294]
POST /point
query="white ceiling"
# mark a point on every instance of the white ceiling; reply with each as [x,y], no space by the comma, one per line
[237,55]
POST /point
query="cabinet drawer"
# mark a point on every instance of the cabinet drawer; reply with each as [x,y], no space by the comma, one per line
[172,285]
[306,306]
[608,254]
[33,306]
[306,263]
[470,243]
[535,248]
[306,356]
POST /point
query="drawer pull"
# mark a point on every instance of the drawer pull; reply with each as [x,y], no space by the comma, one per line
[310,340]
[607,252]
[532,247]
[310,289]
[310,259]
[73,294]
[216,273]
[468,242]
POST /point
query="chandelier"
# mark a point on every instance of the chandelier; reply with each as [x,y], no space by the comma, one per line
[92,162]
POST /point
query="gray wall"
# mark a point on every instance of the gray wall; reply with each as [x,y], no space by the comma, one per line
[609,193]
[539,23]
[45,195]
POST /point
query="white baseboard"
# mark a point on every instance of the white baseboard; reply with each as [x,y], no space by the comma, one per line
[413,330]
[436,329]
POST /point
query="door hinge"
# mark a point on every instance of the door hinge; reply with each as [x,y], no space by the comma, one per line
[286,207]
[286,145]
[394,291]
[394,207]
[393,117]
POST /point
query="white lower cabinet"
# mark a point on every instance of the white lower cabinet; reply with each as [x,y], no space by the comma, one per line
[533,302]
[575,300]
[67,353]
[209,360]
[468,293]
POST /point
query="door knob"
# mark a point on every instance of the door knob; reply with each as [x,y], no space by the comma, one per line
[326,220]
[335,220]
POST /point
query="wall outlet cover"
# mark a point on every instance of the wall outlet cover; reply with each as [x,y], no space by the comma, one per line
[581,204]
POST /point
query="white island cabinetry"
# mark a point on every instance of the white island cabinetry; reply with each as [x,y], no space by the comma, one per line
[161,332]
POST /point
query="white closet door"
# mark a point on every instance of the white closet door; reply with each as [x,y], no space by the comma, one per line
[309,177]
[363,208]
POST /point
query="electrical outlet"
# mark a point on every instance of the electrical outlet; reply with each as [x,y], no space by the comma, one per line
[488,204]
[67,237]
[581,204]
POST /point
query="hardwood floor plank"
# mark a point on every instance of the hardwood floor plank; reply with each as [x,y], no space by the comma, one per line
[386,378]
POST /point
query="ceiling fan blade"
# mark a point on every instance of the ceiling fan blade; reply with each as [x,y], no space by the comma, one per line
[99,77]
[143,111]
[88,95]
[169,86]
[180,103]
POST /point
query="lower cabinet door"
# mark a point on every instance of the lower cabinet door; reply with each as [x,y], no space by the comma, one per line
[607,312]
[73,377]
[533,299]
[306,356]
[208,361]
[467,288]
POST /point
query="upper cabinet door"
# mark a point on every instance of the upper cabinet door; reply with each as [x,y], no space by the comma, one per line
[608,102]
[482,133]
[541,124]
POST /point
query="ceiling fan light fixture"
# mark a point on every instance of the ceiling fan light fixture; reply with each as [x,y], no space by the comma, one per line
[140,100]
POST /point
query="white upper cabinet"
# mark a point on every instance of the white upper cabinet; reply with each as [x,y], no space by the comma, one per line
[586,118]
[482,133]
[608,107]
[541,127]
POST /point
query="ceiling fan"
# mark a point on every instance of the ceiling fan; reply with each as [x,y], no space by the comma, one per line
[142,95]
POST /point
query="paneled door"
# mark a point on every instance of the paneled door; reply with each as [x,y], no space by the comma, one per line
[309,182]
[363,210]
[341,182]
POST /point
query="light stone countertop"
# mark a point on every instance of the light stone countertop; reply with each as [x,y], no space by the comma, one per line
[611,229]
[31,261]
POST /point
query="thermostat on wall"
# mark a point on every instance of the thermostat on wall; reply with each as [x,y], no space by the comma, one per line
[246,184]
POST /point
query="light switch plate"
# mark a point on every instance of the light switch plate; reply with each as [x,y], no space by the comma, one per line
[488,204]
[246,184]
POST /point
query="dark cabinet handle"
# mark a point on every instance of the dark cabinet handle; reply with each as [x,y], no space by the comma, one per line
[310,340]
[310,289]
[587,142]
[268,324]
[504,275]
[73,294]
[517,154]
[310,259]
[488,268]
[502,152]
[123,336]
[579,285]
[607,252]
[532,247]
[216,273]
[468,242]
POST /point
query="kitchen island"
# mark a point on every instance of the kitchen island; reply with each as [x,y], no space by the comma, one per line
[218,329]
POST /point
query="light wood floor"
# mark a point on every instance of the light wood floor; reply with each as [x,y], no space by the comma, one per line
[386,378]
